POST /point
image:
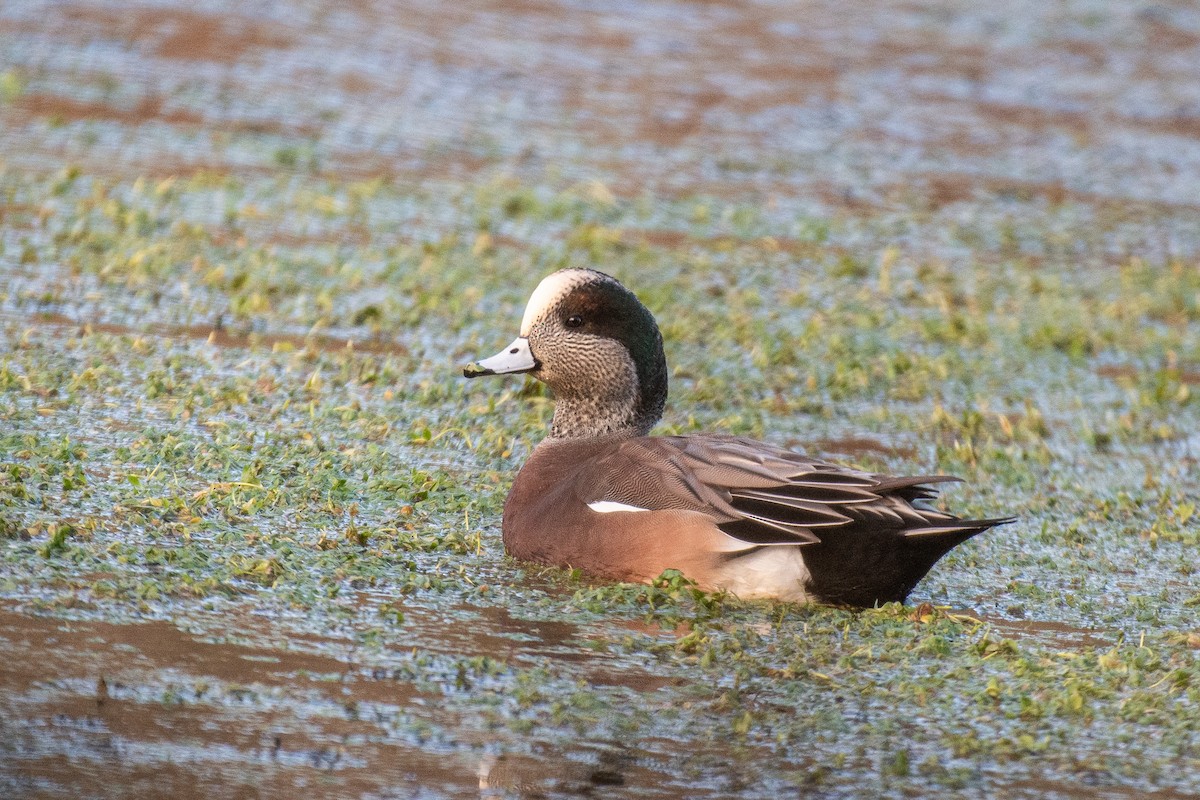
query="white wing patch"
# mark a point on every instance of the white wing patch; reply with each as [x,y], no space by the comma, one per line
[609,506]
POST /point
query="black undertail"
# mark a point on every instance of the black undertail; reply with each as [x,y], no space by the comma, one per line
[864,569]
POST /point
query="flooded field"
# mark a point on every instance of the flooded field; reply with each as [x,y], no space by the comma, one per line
[249,511]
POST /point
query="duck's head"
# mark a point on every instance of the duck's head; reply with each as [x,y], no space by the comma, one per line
[597,347]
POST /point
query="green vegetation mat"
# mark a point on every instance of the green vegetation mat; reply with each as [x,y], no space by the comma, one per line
[236,404]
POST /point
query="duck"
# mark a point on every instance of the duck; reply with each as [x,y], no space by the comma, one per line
[601,495]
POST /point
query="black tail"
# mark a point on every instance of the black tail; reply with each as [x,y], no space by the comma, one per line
[865,570]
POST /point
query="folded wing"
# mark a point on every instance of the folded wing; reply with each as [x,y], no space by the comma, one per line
[766,495]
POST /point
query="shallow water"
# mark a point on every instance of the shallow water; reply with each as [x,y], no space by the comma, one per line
[147,708]
[249,513]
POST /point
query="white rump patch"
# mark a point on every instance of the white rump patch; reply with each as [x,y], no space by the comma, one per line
[767,572]
[609,506]
[552,287]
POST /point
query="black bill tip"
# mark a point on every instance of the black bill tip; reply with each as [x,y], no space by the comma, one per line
[474,370]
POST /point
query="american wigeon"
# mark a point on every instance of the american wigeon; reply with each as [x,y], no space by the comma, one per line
[601,495]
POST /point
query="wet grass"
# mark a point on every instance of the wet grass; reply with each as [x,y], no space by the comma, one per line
[221,393]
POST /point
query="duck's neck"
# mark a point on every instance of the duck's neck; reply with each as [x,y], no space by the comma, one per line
[591,417]
[626,400]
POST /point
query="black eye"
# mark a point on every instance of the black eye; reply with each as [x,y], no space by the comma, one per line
[574,321]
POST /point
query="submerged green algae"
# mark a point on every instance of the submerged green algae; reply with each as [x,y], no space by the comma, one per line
[207,412]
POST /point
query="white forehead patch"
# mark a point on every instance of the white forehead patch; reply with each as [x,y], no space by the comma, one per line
[548,292]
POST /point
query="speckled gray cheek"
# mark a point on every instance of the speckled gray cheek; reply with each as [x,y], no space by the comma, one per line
[595,386]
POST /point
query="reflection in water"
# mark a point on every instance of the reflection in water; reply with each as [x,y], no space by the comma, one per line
[96,709]
[90,706]
[502,775]
[1054,634]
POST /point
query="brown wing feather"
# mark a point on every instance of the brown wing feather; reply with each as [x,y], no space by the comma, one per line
[761,493]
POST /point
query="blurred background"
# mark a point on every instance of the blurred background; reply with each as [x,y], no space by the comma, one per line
[813,105]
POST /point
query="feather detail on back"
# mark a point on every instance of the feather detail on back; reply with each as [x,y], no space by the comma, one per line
[767,495]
